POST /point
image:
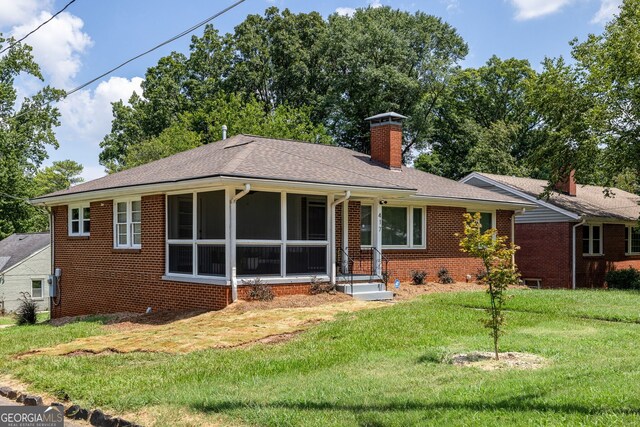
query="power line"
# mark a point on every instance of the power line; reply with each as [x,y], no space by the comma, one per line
[38,27]
[174,38]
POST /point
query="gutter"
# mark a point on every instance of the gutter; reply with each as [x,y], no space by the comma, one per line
[332,240]
[573,254]
[232,234]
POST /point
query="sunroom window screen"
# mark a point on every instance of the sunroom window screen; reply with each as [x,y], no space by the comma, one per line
[486,221]
[181,259]
[211,209]
[306,260]
[394,226]
[417,227]
[258,216]
[211,260]
[306,217]
[180,210]
[258,260]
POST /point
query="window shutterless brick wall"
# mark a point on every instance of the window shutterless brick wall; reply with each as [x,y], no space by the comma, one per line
[96,278]
[442,248]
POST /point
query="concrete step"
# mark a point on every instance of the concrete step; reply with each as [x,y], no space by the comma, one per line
[360,287]
[374,296]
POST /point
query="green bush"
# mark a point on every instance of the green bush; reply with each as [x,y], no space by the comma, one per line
[627,278]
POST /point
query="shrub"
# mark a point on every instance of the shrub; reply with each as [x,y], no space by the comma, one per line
[444,277]
[27,312]
[627,278]
[259,291]
[320,287]
[418,277]
[481,274]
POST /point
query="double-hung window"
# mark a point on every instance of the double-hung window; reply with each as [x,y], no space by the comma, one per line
[79,220]
[592,239]
[632,240]
[128,224]
[402,226]
[36,289]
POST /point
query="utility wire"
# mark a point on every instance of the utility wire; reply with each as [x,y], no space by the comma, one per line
[38,27]
[174,38]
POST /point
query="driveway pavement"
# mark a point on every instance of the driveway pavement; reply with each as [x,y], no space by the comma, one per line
[68,423]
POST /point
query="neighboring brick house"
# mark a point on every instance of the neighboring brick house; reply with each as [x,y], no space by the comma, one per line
[573,237]
[25,266]
[187,231]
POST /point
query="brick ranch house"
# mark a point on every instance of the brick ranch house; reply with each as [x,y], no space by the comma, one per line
[575,236]
[188,231]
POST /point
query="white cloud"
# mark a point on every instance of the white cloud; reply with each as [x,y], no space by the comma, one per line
[375,3]
[345,11]
[608,8]
[86,114]
[451,5]
[15,12]
[57,46]
[529,9]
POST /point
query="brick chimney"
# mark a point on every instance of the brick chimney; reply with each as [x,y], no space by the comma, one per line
[568,184]
[386,139]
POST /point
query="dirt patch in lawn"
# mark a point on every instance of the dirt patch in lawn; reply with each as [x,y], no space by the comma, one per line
[508,360]
[408,290]
[239,324]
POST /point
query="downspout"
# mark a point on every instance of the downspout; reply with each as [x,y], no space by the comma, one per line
[513,233]
[232,234]
[573,257]
[342,199]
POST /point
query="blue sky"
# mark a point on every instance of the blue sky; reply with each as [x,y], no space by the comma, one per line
[93,36]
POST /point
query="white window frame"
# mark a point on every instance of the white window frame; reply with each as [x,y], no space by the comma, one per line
[410,244]
[493,215]
[627,249]
[590,226]
[81,219]
[282,242]
[41,280]
[129,223]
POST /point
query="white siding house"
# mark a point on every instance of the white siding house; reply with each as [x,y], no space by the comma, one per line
[25,265]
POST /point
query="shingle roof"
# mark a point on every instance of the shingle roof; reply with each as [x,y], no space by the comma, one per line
[590,200]
[248,156]
[20,246]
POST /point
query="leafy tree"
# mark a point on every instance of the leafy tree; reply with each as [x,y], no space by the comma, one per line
[380,60]
[497,258]
[205,126]
[302,71]
[485,121]
[59,176]
[26,129]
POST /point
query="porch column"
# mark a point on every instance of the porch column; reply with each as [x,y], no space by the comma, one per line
[332,239]
[232,238]
[377,236]
[345,234]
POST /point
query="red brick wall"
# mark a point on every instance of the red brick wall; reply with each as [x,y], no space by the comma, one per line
[591,270]
[386,145]
[99,279]
[442,246]
[545,253]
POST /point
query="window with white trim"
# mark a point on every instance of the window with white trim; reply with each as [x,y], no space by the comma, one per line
[36,289]
[632,240]
[402,227]
[127,224]
[79,220]
[592,239]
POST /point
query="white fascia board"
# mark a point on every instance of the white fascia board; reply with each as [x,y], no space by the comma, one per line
[25,259]
[519,193]
[473,203]
[195,184]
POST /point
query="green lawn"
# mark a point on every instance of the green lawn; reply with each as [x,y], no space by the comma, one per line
[10,320]
[373,368]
